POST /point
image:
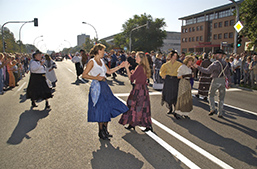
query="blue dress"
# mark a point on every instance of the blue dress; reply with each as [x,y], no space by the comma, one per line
[107,105]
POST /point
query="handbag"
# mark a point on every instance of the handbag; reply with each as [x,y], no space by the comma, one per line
[226,78]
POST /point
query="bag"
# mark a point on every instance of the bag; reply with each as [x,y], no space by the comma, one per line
[226,78]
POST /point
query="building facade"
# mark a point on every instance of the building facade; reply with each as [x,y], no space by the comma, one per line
[81,39]
[210,30]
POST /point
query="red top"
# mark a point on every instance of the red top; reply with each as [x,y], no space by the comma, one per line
[199,62]
[139,76]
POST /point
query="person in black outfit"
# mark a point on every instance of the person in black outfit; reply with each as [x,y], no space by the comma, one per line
[132,61]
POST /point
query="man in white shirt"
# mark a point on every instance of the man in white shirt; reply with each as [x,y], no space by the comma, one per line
[237,68]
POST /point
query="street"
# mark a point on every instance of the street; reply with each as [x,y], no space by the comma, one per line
[62,138]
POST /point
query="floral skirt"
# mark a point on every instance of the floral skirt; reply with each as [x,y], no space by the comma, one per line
[138,102]
[107,106]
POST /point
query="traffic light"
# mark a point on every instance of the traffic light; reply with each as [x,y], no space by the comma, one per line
[5,45]
[35,22]
[239,41]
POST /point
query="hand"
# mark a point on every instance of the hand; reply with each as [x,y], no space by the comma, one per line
[195,65]
[123,64]
[99,78]
[132,71]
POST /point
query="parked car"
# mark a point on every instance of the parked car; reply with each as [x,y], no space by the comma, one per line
[58,58]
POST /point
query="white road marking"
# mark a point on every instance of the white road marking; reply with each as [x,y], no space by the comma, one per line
[19,88]
[184,140]
[169,148]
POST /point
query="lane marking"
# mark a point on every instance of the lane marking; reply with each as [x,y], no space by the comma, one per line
[185,141]
[168,147]
[19,88]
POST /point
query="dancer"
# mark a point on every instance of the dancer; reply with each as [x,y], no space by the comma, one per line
[102,104]
[138,102]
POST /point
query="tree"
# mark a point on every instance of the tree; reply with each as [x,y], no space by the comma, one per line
[248,15]
[145,39]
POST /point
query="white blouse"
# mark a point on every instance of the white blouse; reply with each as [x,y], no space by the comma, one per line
[36,67]
[97,69]
[184,70]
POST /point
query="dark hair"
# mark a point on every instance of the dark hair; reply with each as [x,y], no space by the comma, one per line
[172,53]
[94,50]
[82,50]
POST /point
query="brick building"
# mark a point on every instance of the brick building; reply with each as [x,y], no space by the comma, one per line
[208,30]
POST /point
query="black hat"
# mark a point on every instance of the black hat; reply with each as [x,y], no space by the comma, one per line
[37,52]
[219,51]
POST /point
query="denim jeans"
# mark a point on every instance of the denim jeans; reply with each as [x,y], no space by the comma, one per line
[237,76]
[1,80]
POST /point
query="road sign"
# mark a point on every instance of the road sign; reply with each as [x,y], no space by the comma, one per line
[238,26]
[247,45]
[125,48]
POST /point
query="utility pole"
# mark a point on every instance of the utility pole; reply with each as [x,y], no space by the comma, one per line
[237,19]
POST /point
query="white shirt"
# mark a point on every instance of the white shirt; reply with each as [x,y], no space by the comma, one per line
[36,67]
[76,59]
[97,69]
[184,70]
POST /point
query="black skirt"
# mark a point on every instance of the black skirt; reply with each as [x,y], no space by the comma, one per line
[37,88]
[170,90]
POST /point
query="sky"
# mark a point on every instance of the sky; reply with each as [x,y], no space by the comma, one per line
[60,21]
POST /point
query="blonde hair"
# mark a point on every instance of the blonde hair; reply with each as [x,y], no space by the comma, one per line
[187,59]
[144,62]
[94,50]
[158,55]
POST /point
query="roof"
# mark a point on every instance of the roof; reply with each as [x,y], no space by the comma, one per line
[208,11]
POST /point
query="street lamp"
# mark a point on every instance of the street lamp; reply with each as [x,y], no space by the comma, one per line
[36,38]
[20,33]
[94,29]
[68,42]
[39,41]
[237,19]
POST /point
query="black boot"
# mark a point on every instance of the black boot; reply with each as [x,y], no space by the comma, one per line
[148,129]
[177,116]
[33,104]
[102,135]
[106,131]
[47,105]
[130,127]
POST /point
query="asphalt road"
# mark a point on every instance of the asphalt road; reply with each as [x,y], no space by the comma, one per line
[62,138]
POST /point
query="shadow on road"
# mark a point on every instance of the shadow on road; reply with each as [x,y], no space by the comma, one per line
[115,82]
[227,145]
[156,155]
[27,122]
[78,82]
[110,157]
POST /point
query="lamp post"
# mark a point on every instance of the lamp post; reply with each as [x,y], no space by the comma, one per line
[39,41]
[36,39]
[94,29]
[20,33]
[68,42]
[147,25]
[237,19]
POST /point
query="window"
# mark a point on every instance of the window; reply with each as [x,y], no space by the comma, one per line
[186,30]
[226,23]
[231,35]
[220,24]
[190,29]
[201,27]
[225,35]
[215,25]
[185,39]
[193,29]
[215,36]
[220,36]
[201,38]
[189,39]
[200,19]
[197,28]
[232,22]
[193,39]
[197,38]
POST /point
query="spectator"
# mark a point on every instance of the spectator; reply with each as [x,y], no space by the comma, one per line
[237,68]
[253,69]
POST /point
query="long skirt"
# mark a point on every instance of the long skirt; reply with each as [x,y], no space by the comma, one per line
[37,88]
[184,101]
[11,79]
[51,75]
[170,91]
[138,102]
[107,106]
[204,85]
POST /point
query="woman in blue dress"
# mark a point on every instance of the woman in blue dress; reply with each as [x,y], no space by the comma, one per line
[102,104]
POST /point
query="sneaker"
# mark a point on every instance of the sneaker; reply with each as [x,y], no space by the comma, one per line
[220,116]
[1,93]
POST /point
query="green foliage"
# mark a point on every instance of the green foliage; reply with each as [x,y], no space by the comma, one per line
[142,39]
[248,15]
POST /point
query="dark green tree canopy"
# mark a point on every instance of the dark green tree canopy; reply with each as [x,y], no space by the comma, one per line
[143,39]
[248,15]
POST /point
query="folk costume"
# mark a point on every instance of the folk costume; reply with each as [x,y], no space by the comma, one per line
[139,113]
